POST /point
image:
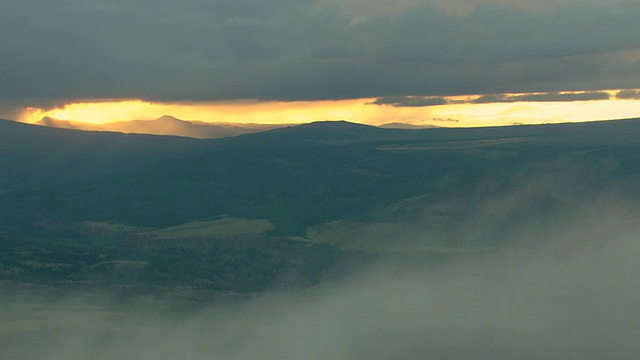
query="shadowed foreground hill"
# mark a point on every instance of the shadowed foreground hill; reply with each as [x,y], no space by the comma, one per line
[242,212]
[296,176]
[35,155]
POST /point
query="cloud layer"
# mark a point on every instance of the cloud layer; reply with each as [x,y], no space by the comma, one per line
[293,49]
[552,96]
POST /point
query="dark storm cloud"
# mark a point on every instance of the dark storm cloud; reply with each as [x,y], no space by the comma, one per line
[15,109]
[566,288]
[548,97]
[306,49]
[628,94]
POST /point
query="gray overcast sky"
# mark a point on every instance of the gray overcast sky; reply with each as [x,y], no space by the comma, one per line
[313,49]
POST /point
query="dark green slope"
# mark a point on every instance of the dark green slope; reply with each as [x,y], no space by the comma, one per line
[312,174]
[33,155]
[295,177]
[293,187]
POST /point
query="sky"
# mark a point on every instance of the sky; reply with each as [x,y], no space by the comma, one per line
[432,62]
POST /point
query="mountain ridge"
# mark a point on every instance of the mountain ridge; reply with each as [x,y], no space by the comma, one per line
[164,125]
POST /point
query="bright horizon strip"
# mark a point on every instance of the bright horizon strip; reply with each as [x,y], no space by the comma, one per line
[250,111]
[357,110]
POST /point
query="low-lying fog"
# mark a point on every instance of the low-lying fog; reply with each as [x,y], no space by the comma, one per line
[566,289]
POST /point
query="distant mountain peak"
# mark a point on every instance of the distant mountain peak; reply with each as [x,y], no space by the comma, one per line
[169,118]
[334,125]
[55,123]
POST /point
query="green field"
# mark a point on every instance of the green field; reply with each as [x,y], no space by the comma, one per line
[224,226]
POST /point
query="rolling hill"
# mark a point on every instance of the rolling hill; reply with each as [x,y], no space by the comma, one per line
[235,212]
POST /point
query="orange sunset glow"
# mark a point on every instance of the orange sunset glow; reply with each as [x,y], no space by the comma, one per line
[456,114]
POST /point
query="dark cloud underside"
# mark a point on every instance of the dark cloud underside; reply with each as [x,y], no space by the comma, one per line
[305,49]
[628,94]
[548,97]
[554,96]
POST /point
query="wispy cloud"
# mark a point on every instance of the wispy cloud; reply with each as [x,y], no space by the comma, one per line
[411,101]
[445,120]
[629,94]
